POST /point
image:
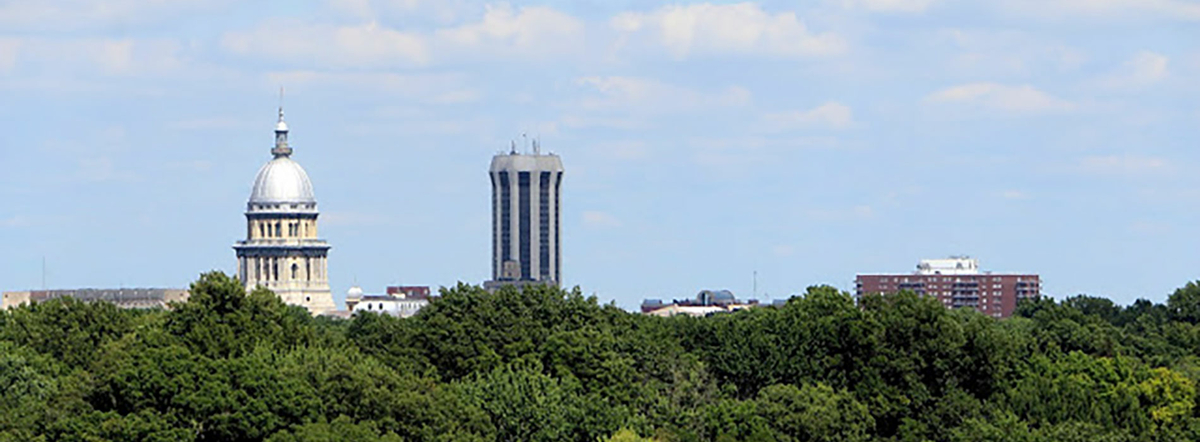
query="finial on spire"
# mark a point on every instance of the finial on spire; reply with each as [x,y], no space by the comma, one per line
[281,125]
[281,104]
[281,130]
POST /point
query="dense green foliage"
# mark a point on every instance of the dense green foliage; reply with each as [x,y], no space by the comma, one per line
[551,365]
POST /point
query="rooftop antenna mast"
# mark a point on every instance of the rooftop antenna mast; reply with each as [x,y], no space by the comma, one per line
[756,284]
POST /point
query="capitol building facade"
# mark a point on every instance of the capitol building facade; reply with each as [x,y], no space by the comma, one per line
[282,250]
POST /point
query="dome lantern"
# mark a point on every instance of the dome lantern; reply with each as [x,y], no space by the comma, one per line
[281,143]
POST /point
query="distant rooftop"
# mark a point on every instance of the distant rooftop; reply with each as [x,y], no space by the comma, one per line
[122,297]
[724,300]
[954,265]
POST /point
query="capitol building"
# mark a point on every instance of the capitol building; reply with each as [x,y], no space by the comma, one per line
[282,251]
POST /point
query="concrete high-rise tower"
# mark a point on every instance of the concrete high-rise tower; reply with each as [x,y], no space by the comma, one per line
[282,251]
[526,207]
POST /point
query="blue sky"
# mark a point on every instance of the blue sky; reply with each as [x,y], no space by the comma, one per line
[807,141]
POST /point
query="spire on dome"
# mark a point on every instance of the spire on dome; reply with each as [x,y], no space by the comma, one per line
[281,130]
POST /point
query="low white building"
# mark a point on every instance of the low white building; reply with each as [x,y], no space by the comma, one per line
[707,302]
[689,310]
[399,304]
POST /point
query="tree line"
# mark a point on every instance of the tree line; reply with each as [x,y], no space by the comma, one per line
[547,364]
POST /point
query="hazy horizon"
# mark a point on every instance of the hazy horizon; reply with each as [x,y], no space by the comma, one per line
[701,142]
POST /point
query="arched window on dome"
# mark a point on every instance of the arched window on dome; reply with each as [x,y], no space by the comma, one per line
[295,269]
[262,230]
[278,229]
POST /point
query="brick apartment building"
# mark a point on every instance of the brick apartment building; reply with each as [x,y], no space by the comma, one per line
[957,283]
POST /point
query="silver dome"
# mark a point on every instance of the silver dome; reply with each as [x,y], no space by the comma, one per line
[282,180]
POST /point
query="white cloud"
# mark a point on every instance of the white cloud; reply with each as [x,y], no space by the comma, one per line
[1148,67]
[736,29]
[1144,69]
[1123,165]
[644,95]
[1014,195]
[90,14]
[361,9]
[1017,99]
[890,5]
[117,57]
[442,11]
[598,219]
[429,88]
[1174,9]
[529,31]
[832,115]
[121,57]
[9,48]
[1008,52]
[366,45]
[15,221]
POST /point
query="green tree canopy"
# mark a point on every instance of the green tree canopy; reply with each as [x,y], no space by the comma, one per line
[541,363]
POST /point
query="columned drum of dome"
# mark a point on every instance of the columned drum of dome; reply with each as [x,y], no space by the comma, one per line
[282,251]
